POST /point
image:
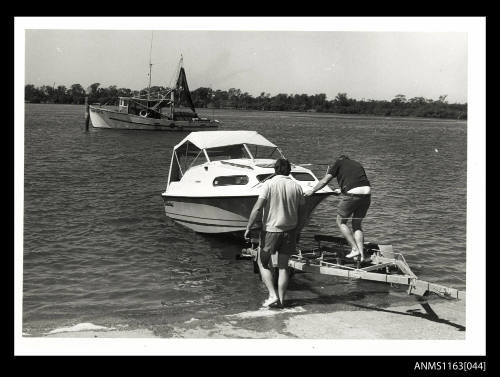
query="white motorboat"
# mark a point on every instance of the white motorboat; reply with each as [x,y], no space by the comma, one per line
[215,178]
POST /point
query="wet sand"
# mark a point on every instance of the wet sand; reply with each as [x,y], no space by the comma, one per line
[441,319]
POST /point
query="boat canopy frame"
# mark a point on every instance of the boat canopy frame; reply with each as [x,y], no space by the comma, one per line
[189,149]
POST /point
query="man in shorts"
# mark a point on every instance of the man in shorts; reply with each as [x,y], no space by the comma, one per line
[282,203]
[356,199]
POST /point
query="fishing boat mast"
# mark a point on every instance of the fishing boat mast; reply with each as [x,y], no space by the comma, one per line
[150,65]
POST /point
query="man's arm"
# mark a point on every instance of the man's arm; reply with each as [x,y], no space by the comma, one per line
[259,204]
[322,183]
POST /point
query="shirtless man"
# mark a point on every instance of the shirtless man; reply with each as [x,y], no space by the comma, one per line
[356,199]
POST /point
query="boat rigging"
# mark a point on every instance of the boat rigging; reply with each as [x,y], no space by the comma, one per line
[170,109]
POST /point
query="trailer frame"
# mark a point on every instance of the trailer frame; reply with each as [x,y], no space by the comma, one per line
[381,264]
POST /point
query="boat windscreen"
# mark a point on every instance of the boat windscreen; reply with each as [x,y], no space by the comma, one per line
[186,156]
[263,152]
[229,152]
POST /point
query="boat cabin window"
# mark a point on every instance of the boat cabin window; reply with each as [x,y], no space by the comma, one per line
[231,180]
[123,105]
[263,177]
[302,176]
[229,152]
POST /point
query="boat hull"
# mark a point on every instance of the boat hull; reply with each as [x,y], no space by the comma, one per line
[106,118]
[215,215]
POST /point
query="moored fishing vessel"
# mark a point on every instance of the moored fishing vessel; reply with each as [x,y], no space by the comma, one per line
[170,110]
[215,178]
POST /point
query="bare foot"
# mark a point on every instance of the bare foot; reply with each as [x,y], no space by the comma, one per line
[270,301]
[354,253]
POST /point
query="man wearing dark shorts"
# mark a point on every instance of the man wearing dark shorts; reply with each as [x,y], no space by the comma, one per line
[281,202]
[356,199]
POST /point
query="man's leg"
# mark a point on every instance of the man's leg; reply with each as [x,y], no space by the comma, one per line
[345,210]
[282,284]
[288,247]
[346,232]
[358,216]
[267,277]
[358,236]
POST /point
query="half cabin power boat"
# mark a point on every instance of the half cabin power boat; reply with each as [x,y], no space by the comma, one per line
[215,178]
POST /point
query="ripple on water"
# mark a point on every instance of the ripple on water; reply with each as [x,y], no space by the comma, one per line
[98,247]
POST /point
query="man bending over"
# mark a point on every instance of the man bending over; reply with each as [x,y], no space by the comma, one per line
[356,199]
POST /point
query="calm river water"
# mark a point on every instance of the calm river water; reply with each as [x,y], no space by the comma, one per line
[98,247]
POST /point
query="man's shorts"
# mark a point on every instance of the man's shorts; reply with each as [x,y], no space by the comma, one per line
[282,243]
[354,204]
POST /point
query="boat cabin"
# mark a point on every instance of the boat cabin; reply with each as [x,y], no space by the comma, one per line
[154,108]
[242,149]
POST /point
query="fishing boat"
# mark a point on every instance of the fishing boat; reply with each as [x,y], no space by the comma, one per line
[215,178]
[170,110]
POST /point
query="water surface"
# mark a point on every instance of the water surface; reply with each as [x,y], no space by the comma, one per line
[98,247]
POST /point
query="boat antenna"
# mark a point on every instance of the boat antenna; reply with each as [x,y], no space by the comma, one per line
[211,100]
[150,64]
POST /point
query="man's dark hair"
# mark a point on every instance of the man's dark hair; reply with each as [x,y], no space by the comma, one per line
[343,157]
[282,166]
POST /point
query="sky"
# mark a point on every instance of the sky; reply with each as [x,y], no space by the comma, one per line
[363,64]
[366,59]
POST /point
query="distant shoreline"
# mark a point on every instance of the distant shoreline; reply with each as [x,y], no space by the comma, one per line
[207,98]
[304,113]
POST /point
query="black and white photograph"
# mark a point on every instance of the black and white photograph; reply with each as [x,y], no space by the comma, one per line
[211,186]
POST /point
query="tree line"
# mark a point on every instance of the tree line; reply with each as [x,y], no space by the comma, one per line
[236,99]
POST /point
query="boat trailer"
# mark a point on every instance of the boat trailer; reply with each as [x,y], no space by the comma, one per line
[381,264]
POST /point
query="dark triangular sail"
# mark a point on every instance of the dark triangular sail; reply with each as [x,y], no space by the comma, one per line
[184,96]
